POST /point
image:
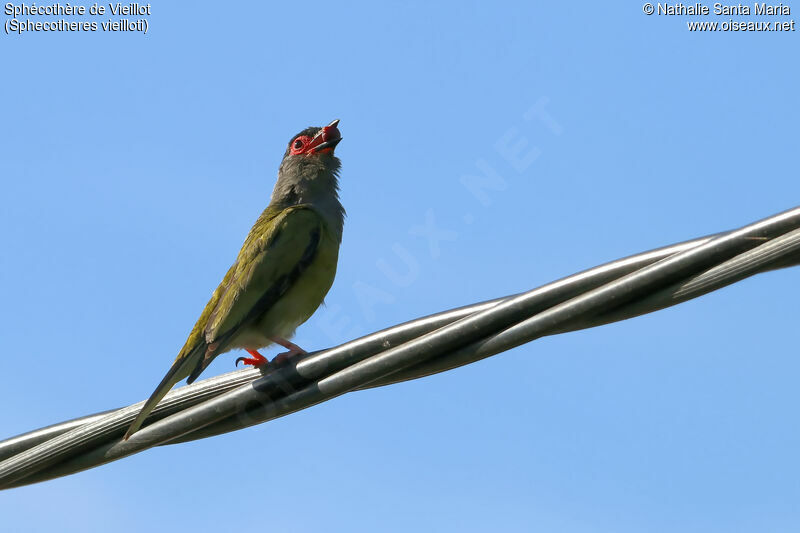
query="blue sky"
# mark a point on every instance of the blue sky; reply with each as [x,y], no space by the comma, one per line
[133,166]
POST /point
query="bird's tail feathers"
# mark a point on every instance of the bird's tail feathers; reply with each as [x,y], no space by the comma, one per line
[200,365]
[180,369]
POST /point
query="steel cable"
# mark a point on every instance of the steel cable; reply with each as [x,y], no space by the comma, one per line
[615,291]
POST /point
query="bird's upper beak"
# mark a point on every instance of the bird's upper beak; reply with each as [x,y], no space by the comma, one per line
[326,140]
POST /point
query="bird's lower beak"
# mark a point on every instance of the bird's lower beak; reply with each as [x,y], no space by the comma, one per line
[327,138]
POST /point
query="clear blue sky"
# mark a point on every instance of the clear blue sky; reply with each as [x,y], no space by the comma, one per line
[133,166]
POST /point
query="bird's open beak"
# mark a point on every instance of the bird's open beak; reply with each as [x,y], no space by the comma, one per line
[327,138]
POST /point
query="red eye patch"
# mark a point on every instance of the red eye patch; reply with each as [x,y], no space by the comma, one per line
[300,144]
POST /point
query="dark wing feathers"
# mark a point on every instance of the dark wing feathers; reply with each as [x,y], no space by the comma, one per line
[280,286]
[250,287]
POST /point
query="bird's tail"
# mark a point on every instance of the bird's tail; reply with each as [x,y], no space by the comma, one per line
[180,369]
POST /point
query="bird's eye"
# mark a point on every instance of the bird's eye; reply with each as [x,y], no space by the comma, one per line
[299,144]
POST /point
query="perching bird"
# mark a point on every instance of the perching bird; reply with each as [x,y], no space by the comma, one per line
[283,271]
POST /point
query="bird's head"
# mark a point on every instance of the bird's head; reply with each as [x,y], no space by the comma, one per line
[315,142]
[309,170]
[310,153]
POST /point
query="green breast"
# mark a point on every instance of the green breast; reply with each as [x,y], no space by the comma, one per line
[305,295]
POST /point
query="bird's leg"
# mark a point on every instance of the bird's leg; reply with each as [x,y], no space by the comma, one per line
[292,347]
[257,360]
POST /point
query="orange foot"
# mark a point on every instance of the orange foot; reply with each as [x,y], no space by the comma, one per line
[257,360]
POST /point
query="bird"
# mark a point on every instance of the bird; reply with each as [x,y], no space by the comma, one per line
[282,273]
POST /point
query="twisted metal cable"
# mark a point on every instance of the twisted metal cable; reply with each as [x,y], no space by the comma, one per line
[611,292]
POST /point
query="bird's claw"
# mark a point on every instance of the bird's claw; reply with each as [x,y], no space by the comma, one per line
[257,360]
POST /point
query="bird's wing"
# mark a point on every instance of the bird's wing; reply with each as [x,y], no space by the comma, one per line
[279,248]
[270,262]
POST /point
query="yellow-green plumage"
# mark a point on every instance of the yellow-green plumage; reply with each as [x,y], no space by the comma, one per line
[282,273]
[294,233]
